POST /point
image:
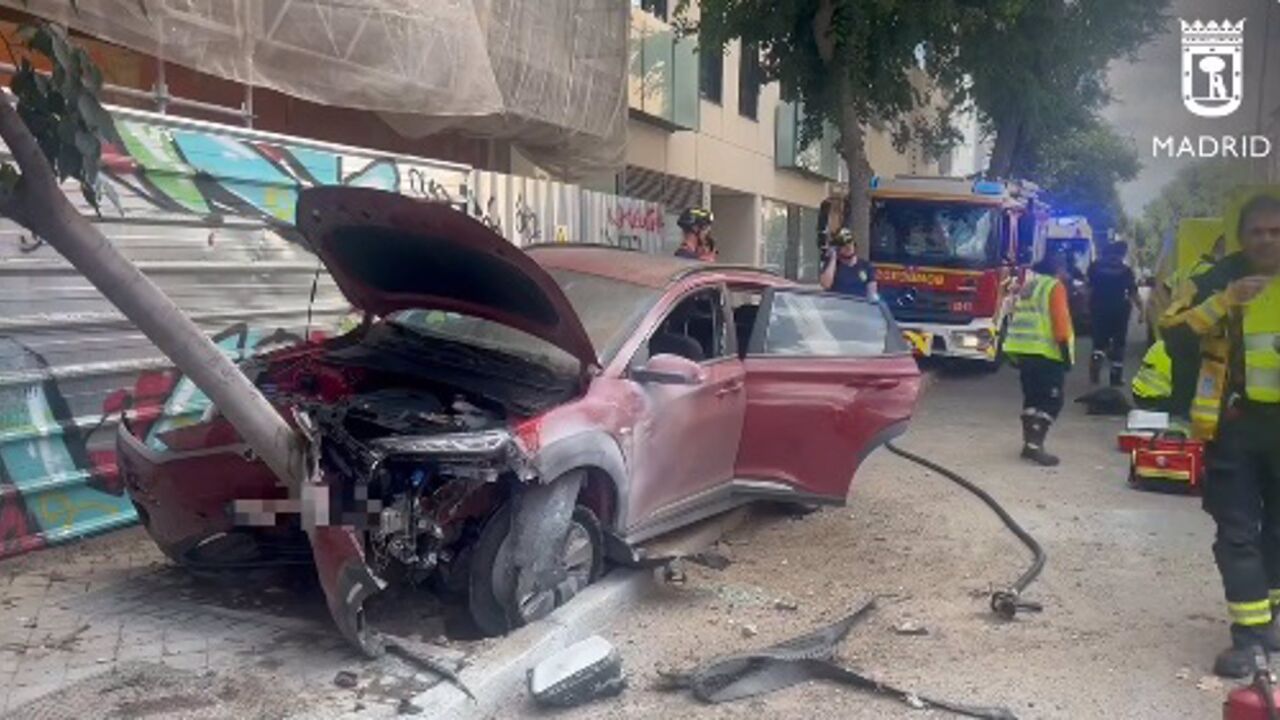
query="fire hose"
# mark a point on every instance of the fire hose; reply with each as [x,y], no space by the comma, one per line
[1008,601]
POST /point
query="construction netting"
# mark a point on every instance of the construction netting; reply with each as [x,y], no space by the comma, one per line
[549,74]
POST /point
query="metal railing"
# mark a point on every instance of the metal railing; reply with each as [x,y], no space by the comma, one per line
[160,97]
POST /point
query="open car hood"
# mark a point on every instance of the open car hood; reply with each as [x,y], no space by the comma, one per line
[388,252]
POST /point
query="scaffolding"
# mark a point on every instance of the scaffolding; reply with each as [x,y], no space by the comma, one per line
[548,74]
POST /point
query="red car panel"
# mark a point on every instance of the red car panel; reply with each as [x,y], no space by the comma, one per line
[686,440]
[809,422]
[388,252]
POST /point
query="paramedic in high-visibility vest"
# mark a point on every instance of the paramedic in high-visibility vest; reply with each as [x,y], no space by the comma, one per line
[1153,385]
[1226,323]
[1041,343]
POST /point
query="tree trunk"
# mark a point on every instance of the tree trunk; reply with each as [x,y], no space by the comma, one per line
[853,150]
[1008,137]
[39,204]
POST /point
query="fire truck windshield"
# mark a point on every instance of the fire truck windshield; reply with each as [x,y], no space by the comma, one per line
[918,232]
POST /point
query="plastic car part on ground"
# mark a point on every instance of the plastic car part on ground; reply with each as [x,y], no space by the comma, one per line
[808,657]
[580,673]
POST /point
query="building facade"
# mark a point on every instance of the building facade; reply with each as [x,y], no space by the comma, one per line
[705,130]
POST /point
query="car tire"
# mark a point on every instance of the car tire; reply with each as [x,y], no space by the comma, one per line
[490,605]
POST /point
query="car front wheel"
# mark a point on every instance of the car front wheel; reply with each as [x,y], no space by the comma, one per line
[494,604]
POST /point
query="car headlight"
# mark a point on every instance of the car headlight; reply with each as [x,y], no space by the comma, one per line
[979,340]
[470,443]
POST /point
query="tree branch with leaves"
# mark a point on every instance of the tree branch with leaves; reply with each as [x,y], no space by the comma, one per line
[53,126]
[854,64]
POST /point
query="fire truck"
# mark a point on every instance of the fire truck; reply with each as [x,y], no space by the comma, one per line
[949,254]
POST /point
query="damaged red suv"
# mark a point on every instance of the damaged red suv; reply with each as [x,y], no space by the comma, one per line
[507,421]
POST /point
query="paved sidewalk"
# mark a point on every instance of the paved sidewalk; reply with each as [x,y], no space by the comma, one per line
[115,604]
[109,628]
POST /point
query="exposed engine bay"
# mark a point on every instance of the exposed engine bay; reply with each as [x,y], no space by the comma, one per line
[411,447]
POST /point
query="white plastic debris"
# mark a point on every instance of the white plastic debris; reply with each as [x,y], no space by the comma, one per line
[580,673]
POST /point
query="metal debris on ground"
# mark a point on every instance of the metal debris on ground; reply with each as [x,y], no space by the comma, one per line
[429,664]
[789,605]
[808,657]
[582,672]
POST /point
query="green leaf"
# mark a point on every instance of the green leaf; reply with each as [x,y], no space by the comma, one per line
[88,144]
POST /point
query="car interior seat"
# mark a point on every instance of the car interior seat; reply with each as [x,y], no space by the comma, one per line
[669,343]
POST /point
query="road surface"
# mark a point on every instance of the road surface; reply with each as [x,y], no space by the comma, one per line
[1133,606]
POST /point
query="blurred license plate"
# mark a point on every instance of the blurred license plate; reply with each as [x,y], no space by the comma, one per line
[921,342]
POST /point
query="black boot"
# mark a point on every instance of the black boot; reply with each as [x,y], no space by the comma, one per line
[1034,431]
[1095,367]
[1237,661]
[1117,375]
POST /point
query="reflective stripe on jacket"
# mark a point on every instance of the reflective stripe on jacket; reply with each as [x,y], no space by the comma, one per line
[1031,327]
[1262,346]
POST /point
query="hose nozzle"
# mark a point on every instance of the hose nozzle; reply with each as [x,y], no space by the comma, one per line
[1007,603]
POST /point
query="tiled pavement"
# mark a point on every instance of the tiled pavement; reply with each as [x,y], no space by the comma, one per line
[113,604]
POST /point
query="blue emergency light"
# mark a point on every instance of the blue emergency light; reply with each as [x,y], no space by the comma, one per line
[988,187]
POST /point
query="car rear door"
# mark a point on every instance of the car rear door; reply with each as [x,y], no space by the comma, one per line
[828,378]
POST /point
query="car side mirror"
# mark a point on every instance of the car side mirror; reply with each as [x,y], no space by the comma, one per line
[667,369]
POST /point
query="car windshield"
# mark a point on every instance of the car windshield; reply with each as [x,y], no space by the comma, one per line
[913,232]
[607,308]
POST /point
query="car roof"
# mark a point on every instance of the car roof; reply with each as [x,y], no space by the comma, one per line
[630,266]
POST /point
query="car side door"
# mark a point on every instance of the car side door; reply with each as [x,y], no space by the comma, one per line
[685,443]
[829,378]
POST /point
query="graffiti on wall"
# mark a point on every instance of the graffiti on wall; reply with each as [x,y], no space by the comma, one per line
[58,476]
[59,480]
[633,224]
[211,174]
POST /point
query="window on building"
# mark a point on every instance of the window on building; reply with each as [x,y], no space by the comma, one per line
[656,8]
[711,74]
[749,82]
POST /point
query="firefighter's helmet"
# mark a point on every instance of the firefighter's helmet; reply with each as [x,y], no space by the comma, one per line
[695,218]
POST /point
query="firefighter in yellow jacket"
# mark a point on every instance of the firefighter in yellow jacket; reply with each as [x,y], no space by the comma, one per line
[1223,335]
[1041,344]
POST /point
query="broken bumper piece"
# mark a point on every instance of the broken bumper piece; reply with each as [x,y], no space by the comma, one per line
[347,582]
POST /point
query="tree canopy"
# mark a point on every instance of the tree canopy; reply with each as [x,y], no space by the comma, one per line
[1081,169]
[1198,190]
[854,63]
[1041,72]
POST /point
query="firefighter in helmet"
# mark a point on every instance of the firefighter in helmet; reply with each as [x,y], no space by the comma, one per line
[695,224]
[1224,326]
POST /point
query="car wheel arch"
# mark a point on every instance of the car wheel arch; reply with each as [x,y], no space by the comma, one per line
[605,488]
